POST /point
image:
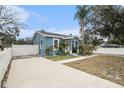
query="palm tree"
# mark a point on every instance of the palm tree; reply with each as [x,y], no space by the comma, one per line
[81,14]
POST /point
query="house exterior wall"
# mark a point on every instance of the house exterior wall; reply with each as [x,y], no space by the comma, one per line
[48,42]
[37,41]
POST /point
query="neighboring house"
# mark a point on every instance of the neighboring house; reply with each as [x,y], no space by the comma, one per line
[47,39]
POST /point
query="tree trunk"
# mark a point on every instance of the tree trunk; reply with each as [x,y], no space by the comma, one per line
[82,31]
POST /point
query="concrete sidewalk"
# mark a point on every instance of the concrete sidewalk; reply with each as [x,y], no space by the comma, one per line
[39,72]
[76,59]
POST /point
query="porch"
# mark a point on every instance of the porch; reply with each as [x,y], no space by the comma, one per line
[73,45]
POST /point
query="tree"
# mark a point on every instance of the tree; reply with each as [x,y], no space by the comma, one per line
[81,14]
[23,41]
[108,22]
[9,22]
[96,42]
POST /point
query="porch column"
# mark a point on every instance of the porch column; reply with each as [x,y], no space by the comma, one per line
[70,46]
[78,48]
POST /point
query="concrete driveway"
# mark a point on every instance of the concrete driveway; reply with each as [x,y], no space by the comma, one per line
[38,72]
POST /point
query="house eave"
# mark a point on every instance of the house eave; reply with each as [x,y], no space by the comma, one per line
[55,36]
[51,35]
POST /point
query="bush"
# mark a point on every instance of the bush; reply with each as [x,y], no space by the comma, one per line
[66,53]
[47,50]
[63,48]
[86,49]
[2,47]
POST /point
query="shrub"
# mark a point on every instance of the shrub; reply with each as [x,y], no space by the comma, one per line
[86,49]
[63,48]
[66,53]
[2,47]
[47,50]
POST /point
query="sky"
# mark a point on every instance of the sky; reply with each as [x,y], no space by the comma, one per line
[51,18]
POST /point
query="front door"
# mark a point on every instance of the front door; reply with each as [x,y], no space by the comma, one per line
[74,46]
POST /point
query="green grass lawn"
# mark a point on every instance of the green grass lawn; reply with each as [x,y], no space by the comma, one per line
[104,66]
[58,58]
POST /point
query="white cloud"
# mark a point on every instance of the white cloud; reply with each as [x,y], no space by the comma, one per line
[66,31]
[23,16]
[21,13]
[26,33]
[40,17]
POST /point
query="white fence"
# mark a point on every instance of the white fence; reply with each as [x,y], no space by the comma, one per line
[5,57]
[118,51]
[24,50]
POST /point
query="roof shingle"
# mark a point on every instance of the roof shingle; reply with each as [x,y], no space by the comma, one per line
[53,34]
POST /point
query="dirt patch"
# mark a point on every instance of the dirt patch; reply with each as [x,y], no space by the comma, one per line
[104,66]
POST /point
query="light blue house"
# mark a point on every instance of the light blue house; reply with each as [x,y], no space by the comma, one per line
[47,39]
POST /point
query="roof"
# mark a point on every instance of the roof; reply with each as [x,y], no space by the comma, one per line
[50,34]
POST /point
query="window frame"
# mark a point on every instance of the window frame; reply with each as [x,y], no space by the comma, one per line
[54,44]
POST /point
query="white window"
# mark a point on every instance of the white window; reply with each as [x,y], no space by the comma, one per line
[55,43]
